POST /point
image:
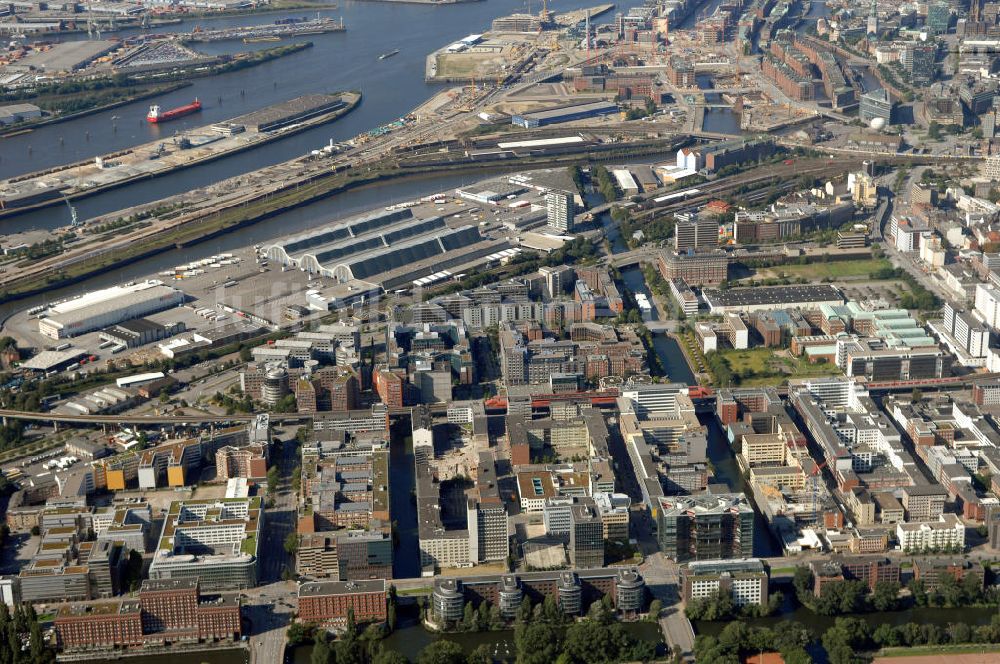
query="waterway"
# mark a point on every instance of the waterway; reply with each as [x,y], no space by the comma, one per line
[214,656]
[403,509]
[666,348]
[337,61]
[292,221]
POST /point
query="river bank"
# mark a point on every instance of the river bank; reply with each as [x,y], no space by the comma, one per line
[24,127]
[243,210]
[157,167]
[112,86]
[202,653]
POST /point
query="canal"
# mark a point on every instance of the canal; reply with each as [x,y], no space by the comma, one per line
[214,656]
[402,504]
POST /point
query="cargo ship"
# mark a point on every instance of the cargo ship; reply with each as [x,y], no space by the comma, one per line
[155,115]
[389,54]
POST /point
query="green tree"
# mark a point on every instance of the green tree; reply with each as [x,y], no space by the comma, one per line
[885,597]
[655,609]
[441,652]
[272,477]
[536,643]
[291,543]
[524,611]
[469,618]
[322,653]
[299,633]
[481,655]
[386,656]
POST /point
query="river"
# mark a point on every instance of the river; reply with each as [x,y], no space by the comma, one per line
[214,656]
[337,61]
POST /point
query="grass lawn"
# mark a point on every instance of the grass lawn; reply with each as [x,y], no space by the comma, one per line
[832,270]
[968,648]
[769,368]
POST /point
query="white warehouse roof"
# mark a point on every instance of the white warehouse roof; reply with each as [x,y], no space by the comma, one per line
[98,309]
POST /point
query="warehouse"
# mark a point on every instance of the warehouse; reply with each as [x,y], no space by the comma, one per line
[18,113]
[766,298]
[99,309]
[66,56]
[564,114]
[294,110]
[372,245]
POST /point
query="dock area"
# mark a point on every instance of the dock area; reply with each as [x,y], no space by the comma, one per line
[270,32]
[186,149]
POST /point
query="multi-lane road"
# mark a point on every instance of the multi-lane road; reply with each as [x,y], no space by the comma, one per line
[270,606]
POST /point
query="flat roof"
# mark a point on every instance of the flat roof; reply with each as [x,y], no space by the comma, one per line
[761,295]
[288,109]
[48,359]
[541,142]
[321,589]
[561,111]
[66,56]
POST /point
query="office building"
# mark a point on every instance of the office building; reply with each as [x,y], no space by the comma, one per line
[614,511]
[698,268]
[165,612]
[745,581]
[345,555]
[706,526]
[176,609]
[701,232]
[573,590]
[214,541]
[987,304]
[328,603]
[487,516]
[555,511]
[876,104]
[586,535]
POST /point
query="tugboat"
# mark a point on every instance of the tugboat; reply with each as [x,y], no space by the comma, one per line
[389,54]
[156,116]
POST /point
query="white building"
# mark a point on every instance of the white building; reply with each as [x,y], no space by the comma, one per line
[556,514]
[948,531]
[987,304]
[559,210]
[99,309]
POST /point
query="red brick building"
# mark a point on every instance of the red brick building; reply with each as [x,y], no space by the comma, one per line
[167,611]
[390,387]
[99,626]
[175,609]
[328,602]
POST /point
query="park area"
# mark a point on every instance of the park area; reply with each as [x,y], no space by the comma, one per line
[833,270]
[769,366]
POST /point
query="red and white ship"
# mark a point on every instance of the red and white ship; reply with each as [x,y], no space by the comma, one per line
[155,115]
